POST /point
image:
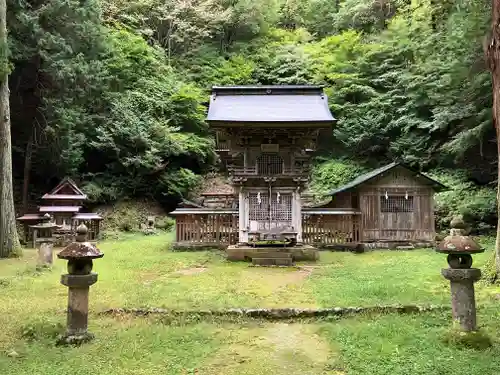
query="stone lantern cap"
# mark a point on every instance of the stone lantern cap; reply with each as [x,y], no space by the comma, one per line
[81,249]
[457,242]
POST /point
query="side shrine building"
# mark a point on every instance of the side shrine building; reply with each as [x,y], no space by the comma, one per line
[63,206]
[265,136]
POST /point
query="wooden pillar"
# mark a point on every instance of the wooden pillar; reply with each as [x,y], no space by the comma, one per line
[297,214]
[35,235]
[243,213]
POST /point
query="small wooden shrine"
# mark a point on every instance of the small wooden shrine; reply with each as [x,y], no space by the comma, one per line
[63,205]
[265,136]
[391,204]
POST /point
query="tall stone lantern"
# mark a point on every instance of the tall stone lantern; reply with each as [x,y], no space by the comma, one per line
[460,249]
[79,278]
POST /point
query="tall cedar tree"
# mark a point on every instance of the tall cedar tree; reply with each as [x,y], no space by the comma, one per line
[493,58]
[9,240]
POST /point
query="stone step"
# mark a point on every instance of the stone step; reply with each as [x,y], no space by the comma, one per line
[273,254]
[272,261]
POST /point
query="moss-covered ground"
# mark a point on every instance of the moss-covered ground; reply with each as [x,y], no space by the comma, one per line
[141,271]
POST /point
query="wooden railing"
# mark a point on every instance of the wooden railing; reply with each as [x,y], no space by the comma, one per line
[331,229]
[222,229]
[223,145]
[253,171]
[217,229]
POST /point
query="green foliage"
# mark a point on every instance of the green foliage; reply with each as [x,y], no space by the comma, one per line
[126,216]
[115,92]
[489,271]
[41,330]
[166,223]
[328,175]
[476,204]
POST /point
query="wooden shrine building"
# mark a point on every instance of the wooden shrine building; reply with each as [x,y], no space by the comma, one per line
[393,203]
[63,205]
[266,136]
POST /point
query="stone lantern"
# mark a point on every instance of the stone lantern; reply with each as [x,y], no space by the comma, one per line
[79,278]
[43,240]
[460,248]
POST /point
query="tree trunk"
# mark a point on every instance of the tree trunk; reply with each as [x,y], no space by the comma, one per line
[9,240]
[27,172]
[492,51]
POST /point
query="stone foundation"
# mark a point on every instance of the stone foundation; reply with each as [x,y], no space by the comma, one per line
[397,245]
[275,314]
[248,253]
[190,246]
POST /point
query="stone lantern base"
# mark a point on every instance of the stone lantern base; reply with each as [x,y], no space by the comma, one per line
[462,295]
[74,340]
[78,308]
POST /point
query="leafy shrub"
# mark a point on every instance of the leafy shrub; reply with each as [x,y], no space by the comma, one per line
[127,216]
[40,330]
[110,235]
[330,174]
[128,225]
[476,204]
[166,223]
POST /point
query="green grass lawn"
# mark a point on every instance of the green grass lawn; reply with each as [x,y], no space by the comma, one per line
[143,272]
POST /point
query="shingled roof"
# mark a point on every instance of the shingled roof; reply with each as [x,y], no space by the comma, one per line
[284,103]
[437,186]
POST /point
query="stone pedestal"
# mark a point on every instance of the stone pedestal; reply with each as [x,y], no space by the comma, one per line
[248,253]
[462,295]
[78,307]
[45,254]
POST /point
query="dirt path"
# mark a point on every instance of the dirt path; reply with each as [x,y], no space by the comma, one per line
[274,349]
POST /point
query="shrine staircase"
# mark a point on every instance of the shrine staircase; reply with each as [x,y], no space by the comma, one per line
[273,258]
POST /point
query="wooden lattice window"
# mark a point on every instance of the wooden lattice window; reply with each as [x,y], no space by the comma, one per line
[259,211]
[276,212]
[281,208]
[269,164]
[396,203]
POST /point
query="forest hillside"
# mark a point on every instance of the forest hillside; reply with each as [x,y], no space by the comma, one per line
[113,93]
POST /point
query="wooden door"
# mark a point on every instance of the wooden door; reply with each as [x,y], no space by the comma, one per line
[270,211]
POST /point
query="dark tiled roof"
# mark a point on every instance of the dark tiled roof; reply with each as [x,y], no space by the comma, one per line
[269,104]
[376,172]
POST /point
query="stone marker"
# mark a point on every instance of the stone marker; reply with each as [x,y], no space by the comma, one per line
[459,248]
[79,278]
[43,240]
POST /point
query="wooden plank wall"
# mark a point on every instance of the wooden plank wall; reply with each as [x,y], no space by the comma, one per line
[331,229]
[221,229]
[414,226]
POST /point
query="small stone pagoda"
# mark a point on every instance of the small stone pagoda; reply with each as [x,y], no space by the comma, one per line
[63,204]
[265,136]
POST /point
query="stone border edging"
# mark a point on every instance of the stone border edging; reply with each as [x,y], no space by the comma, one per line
[275,314]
